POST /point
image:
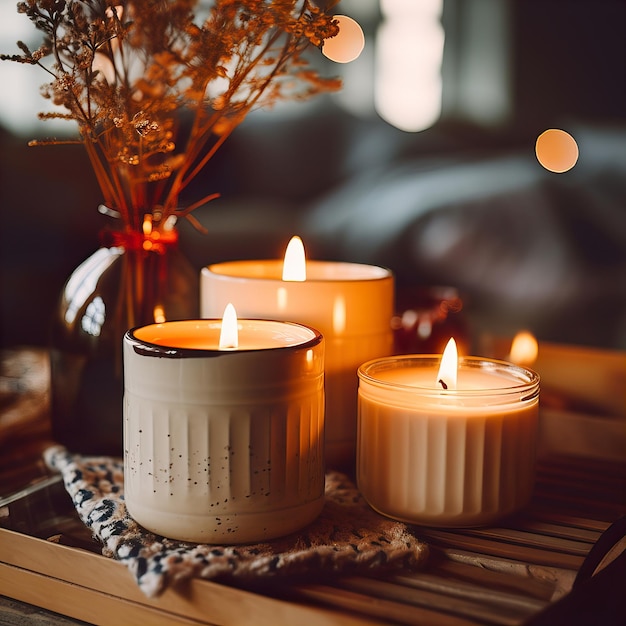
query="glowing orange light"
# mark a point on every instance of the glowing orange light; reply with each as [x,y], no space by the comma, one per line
[339,315]
[524,349]
[158,314]
[294,265]
[556,150]
[347,44]
[446,377]
[147,224]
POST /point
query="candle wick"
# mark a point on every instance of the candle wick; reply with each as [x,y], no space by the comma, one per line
[442,383]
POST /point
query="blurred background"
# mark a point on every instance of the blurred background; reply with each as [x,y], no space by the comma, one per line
[424,163]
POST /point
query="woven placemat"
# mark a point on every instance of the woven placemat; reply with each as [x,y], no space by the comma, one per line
[347,536]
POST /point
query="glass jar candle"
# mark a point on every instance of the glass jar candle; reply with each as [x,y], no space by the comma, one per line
[446,457]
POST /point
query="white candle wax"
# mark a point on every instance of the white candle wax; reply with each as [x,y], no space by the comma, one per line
[425,379]
[224,446]
[349,303]
[439,457]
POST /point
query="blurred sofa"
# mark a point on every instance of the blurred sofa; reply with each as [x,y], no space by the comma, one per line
[454,206]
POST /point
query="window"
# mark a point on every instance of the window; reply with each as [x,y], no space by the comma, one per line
[403,75]
[399,74]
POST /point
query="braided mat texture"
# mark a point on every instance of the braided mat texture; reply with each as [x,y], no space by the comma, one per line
[348,536]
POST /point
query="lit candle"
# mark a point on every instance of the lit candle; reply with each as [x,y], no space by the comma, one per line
[224,428]
[434,452]
[351,304]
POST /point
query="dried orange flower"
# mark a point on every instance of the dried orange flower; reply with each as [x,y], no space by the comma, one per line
[128,71]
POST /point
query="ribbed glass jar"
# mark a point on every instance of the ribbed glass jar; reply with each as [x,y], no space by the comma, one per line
[443,457]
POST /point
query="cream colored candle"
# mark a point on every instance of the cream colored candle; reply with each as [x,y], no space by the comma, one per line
[350,304]
[446,457]
[224,445]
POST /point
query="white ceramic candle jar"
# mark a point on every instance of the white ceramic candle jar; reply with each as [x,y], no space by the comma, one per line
[443,457]
[350,303]
[223,446]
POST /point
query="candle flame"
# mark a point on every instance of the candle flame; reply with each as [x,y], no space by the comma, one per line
[229,335]
[294,265]
[158,314]
[446,377]
[524,349]
[147,224]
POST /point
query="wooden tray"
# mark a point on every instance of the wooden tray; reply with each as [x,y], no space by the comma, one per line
[497,576]
[489,576]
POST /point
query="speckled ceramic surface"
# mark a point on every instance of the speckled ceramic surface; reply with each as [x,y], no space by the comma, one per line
[224,446]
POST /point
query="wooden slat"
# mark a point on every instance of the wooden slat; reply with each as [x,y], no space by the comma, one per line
[449,597]
[492,548]
[571,501]
[574,485]
[597,469]
[570,521]
[568,529]
[82,603]
[527,539]
[513,583]
[561,579]
[491,596]
[195,600]
[384,609]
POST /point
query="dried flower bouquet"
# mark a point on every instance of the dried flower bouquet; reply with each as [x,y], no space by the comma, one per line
[128,72]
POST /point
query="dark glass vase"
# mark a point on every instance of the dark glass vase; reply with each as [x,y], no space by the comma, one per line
[132,281]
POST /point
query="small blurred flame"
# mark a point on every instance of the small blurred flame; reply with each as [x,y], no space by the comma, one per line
[524,349]
[158,314]
[446,377]
[294,265]
[147,224]
[339,315]
[229,335]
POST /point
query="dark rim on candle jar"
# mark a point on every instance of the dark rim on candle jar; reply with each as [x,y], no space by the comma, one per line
[151,348]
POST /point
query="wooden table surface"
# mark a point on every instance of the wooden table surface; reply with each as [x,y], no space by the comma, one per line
[507,575]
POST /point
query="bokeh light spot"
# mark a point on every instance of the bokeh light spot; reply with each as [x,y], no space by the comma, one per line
[347,44]
[556,150]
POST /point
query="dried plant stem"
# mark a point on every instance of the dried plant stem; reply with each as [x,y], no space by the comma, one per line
[125,71]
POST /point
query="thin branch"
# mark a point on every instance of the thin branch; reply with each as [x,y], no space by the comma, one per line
[126,123]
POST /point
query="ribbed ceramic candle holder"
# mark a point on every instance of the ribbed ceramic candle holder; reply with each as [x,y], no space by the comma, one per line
[224,446]
[455,458]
